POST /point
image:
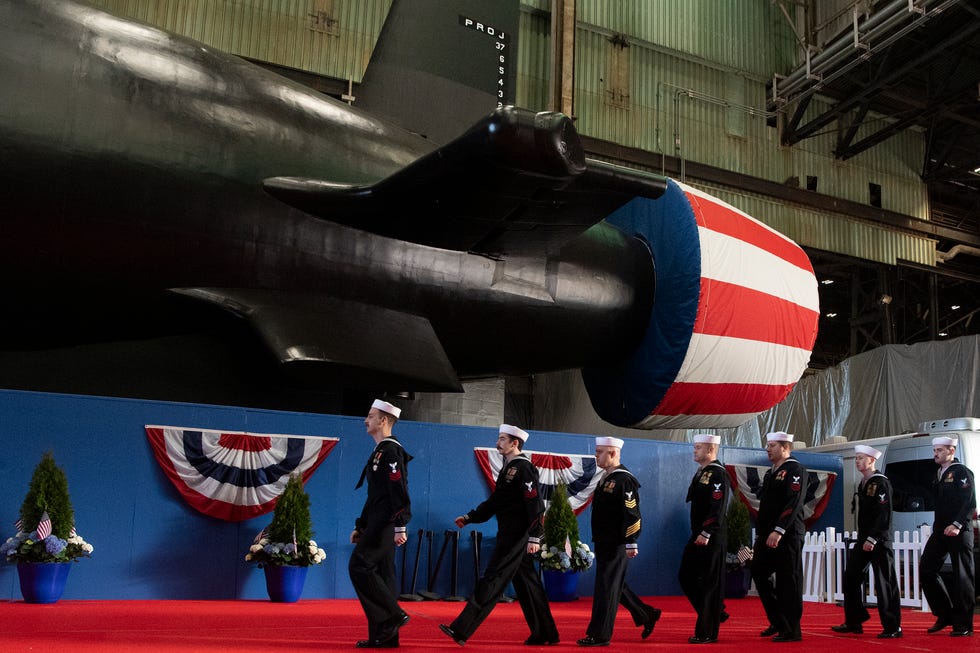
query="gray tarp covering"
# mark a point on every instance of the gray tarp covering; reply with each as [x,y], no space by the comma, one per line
[885,391]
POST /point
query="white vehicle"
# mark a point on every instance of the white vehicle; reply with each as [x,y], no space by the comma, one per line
[850,477]
[909,465]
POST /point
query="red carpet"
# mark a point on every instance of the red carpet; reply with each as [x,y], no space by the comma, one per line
[320,625]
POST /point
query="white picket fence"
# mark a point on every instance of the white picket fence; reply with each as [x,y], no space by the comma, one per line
[825,556]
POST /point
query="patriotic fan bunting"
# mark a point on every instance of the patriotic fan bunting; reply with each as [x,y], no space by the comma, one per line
[230,475]
[733,321]
[748,480]
[579,473]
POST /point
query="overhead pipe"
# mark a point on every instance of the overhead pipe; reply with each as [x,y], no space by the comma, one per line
[843,46]
[879,23]
[946,257]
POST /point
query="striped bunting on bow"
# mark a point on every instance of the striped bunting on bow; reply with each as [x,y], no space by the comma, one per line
[748,480]
[232,475]
[579,473]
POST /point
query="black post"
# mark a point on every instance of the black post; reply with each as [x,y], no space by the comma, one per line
[430,593]
[415,573]
[453,596]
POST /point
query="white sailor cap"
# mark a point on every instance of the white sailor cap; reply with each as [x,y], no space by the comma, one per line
[867,451]
[385,407]
[944,441]
[707,438]
[520,434]
[603,441]
[779,436]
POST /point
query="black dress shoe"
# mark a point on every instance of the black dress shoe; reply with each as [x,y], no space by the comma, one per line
[391,627]
[966,632]
[701,640]
[391,642]
[653,616]
[939,625]
[793,637]
[452,633]
[724,616]
[768,632]
[848,628]
[540,641]
[890,634]
[592,641]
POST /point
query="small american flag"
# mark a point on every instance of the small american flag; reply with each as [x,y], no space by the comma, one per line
[295,548]
[72,532]
[44,527]
[19,525]
[262,533]
[744,554]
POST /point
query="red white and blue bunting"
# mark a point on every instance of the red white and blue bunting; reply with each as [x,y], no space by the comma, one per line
[232,475]
[579,473]
[748,480]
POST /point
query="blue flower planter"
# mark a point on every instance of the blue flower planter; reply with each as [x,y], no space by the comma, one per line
[42,582]
[561,586]
[284,583]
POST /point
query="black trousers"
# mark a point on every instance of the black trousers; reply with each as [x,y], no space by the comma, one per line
[881,559]
[782,599]
[954,604]
[509,562]
[372,573]
[702,578]
[611,590]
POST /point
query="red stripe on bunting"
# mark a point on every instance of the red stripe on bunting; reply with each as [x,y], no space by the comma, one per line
[821,504]
[720,398]
[550,461]
[483,458]
[243,442]
[740,312]
[723,220]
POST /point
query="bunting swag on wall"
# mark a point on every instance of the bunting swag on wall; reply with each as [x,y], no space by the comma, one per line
[231,475]
[748,480]
[579,473]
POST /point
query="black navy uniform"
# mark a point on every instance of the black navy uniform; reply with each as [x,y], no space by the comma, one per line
[781,510]
[615,526]
[372,563]
[702,571]
[956,504]
[519,509]
[874,508]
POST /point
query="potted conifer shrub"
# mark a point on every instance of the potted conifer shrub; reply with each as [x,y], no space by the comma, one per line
[562,554]
[46,542]
[286,548]
[738,577]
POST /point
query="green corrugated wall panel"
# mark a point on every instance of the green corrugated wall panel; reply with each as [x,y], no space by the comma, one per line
[534,60]
[727,32]
[674,101]
[831,231]
[277,31]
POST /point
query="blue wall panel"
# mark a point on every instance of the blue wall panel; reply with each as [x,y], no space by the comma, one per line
[149,544]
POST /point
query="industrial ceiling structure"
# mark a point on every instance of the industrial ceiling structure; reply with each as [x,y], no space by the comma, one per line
[886,67]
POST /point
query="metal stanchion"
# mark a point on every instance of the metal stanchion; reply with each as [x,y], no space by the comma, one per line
[415,572]
[453,596]
[430,594]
